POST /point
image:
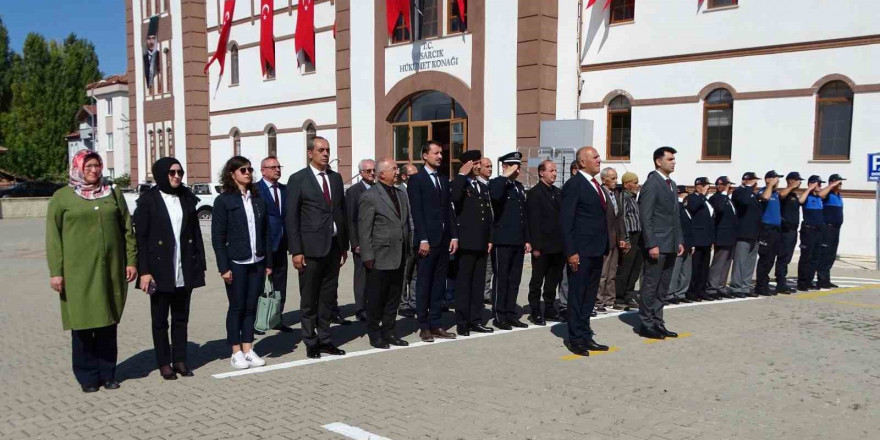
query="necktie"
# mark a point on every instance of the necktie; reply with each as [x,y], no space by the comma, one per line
[669,184]
[277,198]
[326,188]
[476,186]
[601,193]
[436,183]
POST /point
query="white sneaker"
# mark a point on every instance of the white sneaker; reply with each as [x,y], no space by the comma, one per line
[253,360]
[238,361]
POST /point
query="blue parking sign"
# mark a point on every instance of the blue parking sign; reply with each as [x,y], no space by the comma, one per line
[874,167]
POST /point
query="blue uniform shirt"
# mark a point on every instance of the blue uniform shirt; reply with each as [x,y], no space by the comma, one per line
[833,209]
[772,210]
[813,215]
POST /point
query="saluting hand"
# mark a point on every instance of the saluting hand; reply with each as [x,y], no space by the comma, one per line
[466,168]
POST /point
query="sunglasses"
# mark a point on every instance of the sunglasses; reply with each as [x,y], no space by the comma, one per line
[172,173]
[246,170]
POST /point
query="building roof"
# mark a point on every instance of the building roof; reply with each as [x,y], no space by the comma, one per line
[109,81]
[89,111]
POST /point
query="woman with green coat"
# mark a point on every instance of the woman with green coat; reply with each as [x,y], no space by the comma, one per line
[92,256]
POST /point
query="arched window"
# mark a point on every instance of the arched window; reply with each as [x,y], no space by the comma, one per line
[429,115]
[311,132]
[834,108]
[233,55]
[272,141]
[718,124]
[236,143]
[619,123]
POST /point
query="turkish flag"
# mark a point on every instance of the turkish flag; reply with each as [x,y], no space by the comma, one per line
[267,36]
[220,52]
[393,9]
[462,10]
[304,39]
[607,4]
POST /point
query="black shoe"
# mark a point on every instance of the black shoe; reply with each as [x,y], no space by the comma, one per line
[361,316]
[762,292]
[167,373]
[111,385]
[814,287]
[313,352]
[380,344]
[551,316]
[331,349]
[181,369]
[480,328]
[828,286]
[339,320]
[593,314]
[259,332]
[592,345]
[462,330]
[517,323]
[578,349]
[632,304]
[501,325]
[90,389]
[537,320]
[600,309]
[752,294]
[397,342]
[283,328]
[662,329]
[689,300]
[803,288]
[651,333]
[407,313]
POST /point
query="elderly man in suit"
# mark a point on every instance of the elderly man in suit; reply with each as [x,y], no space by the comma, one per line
[663,241]
[318,240]
[385,240]
[543,202]
[408,297]
[273,193]
[367,171]
[616,233]
[584,225]
[436,236]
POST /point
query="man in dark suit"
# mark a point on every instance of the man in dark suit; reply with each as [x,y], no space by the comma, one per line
[663,241]
[584,225]
[703,226]
[384,229]
[548,262]
[510,240]
[473,215]
[408,297]
[318,241]
[367,171]
[273,193]
[726,223]
[436,236]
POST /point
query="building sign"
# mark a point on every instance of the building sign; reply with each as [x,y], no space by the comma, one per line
[450,55]
[873,167]
[429,58]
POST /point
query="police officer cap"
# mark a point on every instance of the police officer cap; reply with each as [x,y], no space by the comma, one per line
[835,178]
[701,181]
[771,174]
[794,175]
[722,180]
[509,158]
[681,189]
[470,156]
[814,179]
[749,176]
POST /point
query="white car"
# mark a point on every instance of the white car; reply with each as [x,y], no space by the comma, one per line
[206,192]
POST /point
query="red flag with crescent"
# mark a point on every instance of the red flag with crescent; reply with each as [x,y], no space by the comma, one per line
[220,52]
[592,2]
[304,38]
[393,10]
[267,36]
[462,10]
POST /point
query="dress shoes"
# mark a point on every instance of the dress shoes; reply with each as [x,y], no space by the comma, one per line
[662,329]
[426,336]
[442,334]
[501,325]
[785,290]
[181,369]
[90,389]
[517,323]
[688,300]
[537,320]
[283,328]
[828,286]
[259,332]
[551,316]
[397,342]
[361,316]
[167,373]
[339,320]
[331,350]
[578,348]
[480,328]
[815,287]
[313,352]
[380,344]
[600,309]
[462,330]
[407,313]
[803,288]
[651,333]
[592,345]
[111,385]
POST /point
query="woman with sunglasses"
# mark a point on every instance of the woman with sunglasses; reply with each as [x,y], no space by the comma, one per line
[92,256]
[241,241]
[171,261]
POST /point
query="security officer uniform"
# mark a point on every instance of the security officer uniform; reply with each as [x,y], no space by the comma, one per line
[832,208]
[474,217]
[510,233]
[680,281]
[745,255]
[788,238]
[769,239]
[811,237]
[726,224]
[703,227]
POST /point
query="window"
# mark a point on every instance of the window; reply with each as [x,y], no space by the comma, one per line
[619,123]
[721,3]
[623,10]
[429,115]
[425,19]
[718,124]
[111,173]
[834,109]
[109,142]
[305,64]
[272,141]
[236,143]
[233,53]
[401,33]
[311,132]
[170,142]
[457,21]
[109,106]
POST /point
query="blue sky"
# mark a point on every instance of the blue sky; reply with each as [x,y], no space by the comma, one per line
[100,21]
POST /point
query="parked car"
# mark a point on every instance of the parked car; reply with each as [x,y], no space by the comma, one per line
[206,192]
[31,189]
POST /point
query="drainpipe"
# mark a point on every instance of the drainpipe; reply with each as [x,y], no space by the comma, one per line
[580,84]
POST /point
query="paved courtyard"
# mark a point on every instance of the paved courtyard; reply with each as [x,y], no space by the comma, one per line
[805,366]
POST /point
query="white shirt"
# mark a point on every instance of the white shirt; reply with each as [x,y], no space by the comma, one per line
[252,230]
[666,179]
[590,180]
[175,214]
[320,180]
[482,180]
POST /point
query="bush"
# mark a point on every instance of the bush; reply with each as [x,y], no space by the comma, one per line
[123,181]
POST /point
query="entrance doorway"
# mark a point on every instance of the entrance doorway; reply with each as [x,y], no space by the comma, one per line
[427,116]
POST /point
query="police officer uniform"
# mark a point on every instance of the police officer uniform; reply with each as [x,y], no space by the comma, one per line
[680,281]
[788,238]
[703,227]
[769,239]
[473,212]
[745,255]
[811,237]
[510,233]
[726,224]
[832,207]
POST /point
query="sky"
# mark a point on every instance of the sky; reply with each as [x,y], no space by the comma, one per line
[100,21]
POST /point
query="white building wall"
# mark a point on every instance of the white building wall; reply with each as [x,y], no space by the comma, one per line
[499,135]
[567,65]
[362,64]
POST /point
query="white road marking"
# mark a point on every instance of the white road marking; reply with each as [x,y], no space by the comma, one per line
[352,432]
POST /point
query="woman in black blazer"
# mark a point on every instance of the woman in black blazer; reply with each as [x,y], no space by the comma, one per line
[240,236]
[171,261]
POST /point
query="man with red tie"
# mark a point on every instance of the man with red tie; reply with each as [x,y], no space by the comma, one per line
[663,241]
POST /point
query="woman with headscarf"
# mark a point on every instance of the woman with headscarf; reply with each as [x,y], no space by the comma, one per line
[92,256]
[171,261]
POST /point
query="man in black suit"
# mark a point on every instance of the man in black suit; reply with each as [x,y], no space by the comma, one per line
[663,240]
[726,223]
[584,225]
[367,171]
[318,240]
[548,262]
[510,240]
[436,234]
[408,297]
[703,226]
[273,193]
[562,295]
[473,215]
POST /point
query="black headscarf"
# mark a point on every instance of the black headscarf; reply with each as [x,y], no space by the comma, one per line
[160,173]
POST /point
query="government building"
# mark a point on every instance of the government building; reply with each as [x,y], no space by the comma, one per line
[735,86]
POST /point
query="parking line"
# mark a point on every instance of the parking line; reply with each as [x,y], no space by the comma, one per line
[352,432]
[821,293]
